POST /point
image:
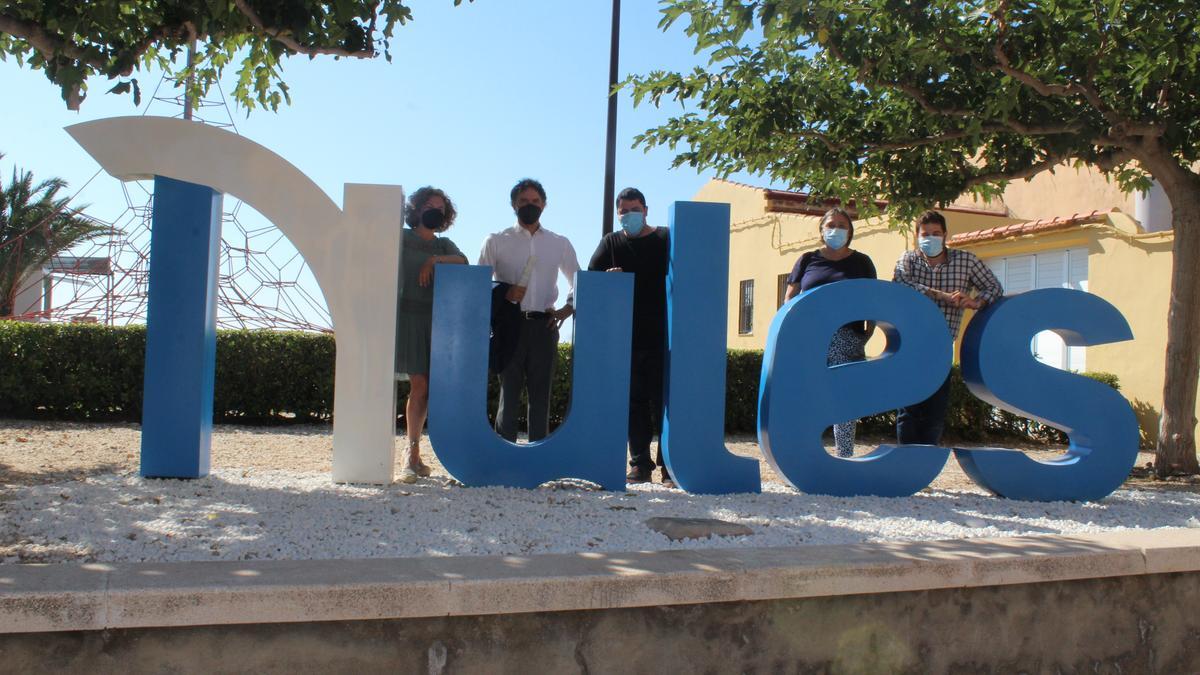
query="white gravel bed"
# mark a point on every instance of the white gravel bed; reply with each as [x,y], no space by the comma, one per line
[253,514]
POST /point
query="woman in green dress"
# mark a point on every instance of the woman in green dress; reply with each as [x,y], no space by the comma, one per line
[428,213]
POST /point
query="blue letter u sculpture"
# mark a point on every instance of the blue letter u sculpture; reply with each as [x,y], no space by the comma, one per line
[590,443]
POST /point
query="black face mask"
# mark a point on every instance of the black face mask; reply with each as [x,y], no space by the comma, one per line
[529,214]
[433,219]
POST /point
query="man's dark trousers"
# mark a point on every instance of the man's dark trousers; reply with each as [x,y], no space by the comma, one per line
[532,367]
[922,423]
[645,406]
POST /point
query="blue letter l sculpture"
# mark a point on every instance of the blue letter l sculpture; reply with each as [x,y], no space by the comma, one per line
[590,443]
[181,330]
[693,430]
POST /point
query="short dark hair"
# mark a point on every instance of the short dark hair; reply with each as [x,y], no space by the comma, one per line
[416,202]
[523,185]
[629,194]
[932,216]
[839,211]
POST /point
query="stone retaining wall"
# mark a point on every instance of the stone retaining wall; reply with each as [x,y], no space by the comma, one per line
[1110,603]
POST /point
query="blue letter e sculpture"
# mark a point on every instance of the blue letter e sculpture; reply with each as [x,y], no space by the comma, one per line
[800,395]
[590,443]
[999,368]
[181,335]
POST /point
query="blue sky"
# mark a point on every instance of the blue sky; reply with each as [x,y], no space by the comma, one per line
[475,98]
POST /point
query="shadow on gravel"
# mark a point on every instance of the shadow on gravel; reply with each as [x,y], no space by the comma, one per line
[10,476]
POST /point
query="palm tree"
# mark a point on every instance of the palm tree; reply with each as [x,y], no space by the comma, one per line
[35,226]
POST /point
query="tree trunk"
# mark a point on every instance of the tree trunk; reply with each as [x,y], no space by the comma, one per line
[1176,451]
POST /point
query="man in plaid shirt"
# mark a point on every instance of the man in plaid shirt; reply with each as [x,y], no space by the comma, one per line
[946,276]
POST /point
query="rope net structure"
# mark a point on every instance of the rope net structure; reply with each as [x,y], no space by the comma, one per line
[263,282]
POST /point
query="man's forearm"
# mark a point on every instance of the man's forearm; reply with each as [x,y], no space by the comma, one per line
[899,278]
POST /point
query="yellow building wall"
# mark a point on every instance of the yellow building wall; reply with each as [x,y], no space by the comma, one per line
[752,255]
[1066,191]
[1134,274]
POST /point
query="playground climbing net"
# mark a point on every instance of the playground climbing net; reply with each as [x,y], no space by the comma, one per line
[263,282]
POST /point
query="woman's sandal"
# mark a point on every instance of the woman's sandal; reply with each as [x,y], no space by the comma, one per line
[421,469]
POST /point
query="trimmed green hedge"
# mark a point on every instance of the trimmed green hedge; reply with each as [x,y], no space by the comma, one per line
[71,371]
[968,418]
[88,372]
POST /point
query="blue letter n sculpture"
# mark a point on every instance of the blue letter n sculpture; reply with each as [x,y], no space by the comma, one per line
[590,443]
[181,338]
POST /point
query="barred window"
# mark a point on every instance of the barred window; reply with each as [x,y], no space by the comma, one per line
[746,307]
[781,291]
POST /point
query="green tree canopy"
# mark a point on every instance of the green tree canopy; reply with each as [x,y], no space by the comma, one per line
[920,102]
[74,41]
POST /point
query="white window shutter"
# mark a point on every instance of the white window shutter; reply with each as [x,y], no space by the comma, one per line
[1077,268]
[996,265]
[1077,277]
[1051,269]
[1067,268]
[1019,274]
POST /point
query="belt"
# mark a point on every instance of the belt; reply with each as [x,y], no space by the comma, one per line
[538,316]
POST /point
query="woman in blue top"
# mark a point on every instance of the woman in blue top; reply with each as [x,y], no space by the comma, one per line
[835,261]
[428,214]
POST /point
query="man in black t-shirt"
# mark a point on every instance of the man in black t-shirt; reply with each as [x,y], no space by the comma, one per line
[643,250]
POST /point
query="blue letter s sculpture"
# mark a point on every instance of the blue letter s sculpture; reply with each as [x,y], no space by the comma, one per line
[590,443]
[800,395]
[999,368]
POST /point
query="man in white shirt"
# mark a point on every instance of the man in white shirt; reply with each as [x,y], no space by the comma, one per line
[529,257]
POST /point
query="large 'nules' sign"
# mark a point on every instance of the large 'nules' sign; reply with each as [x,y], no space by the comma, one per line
[353,252]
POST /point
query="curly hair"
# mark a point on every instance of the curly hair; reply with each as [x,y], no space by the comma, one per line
[416,202]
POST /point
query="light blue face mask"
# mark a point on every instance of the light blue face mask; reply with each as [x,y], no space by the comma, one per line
[633,222]
[930,246]
[835,237]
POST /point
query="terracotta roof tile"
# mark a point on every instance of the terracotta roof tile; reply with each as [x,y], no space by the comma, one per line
[787,201]
[1029,228]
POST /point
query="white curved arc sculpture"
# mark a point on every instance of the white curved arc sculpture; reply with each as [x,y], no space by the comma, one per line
[354,254]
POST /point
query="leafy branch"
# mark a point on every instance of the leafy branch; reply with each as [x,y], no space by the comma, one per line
[72,42]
